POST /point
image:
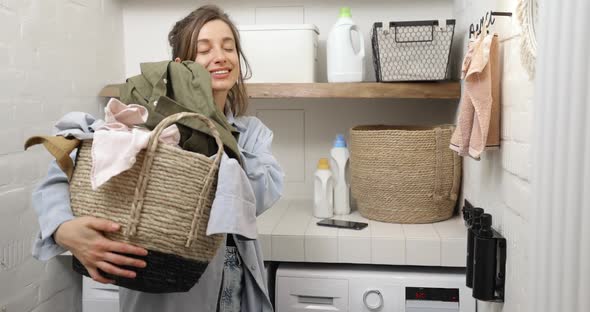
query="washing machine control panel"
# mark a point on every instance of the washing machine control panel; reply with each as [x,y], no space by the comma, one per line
[432,294]
[424,299]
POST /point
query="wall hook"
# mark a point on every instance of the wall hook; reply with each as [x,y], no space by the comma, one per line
[485,22]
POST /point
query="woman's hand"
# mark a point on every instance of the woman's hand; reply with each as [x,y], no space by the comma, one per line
[84,239]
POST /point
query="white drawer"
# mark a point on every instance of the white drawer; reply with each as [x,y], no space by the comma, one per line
[295,294]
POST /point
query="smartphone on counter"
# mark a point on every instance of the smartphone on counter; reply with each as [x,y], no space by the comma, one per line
[343,224]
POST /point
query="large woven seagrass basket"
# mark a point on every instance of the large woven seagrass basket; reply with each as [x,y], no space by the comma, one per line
[402,174]
[162,204]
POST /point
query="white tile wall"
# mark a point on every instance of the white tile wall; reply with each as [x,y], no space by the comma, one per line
[501,181]
[55,55]
[354,246]
[321,243]
[292,234]
[389,243]
[420,237]
[288,228]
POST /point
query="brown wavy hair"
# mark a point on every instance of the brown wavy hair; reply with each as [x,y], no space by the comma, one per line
[183,40]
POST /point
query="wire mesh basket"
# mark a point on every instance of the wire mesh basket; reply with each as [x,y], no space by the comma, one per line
[412,51]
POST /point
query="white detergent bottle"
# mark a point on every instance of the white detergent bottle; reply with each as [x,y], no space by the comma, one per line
[344,63]
[323,194]
[339,162]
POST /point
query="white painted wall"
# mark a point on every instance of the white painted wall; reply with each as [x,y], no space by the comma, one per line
[501,182]
[147,22]
[55,55]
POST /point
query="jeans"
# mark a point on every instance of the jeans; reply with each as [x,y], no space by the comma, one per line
[230,297]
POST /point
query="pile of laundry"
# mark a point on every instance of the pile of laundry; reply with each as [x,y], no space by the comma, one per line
[163,89]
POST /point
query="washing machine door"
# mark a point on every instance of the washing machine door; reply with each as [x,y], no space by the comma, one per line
[375,296]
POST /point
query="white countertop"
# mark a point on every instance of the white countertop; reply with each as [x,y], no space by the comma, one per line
[288,232]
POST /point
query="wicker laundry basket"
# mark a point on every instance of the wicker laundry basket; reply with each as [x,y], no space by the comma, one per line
[162,204]
[404,174]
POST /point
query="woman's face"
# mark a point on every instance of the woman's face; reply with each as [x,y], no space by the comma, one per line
[216,51]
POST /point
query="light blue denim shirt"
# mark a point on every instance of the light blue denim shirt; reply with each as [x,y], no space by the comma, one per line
[52,204]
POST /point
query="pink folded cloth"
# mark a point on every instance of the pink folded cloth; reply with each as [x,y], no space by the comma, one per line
[478,125]
[117,142]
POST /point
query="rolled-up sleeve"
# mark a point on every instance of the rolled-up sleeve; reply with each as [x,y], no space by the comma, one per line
[51,201]
[51,198]
[263,170]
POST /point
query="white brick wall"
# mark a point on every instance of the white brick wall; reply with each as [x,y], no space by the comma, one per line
[55,55]
[501,182]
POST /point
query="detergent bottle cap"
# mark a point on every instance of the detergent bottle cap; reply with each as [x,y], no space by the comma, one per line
[340,141]
[323,163]
[345,12]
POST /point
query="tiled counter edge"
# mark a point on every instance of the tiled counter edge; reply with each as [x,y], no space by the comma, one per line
[288,232]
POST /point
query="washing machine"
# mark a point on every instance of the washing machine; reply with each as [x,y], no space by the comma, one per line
[369,288]
[98,297]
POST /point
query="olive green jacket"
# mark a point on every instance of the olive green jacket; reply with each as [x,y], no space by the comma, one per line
[169,87]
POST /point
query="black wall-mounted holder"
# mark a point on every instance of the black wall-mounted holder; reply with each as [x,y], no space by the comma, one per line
[474,225]
[486,256]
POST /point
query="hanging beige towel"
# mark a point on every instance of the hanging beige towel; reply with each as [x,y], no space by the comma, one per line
[478,127]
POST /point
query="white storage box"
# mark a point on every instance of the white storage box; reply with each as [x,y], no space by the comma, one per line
[281,53]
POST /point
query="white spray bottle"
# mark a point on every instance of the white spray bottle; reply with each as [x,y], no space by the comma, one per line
[323,195]
[339,156]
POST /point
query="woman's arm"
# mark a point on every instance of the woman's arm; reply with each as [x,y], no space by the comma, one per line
[51,201]
[60,231]
[263,170]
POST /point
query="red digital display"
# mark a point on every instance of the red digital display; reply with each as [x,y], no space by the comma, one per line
[432,294]
[420,295]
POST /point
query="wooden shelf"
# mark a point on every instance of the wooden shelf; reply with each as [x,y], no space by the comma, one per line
[111,90]
[363,90]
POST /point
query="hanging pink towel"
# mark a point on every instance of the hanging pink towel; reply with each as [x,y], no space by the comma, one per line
[118,140]
[478,126]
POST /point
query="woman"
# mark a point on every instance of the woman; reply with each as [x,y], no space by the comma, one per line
[234,280]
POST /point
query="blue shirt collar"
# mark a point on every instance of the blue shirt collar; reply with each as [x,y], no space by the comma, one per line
[232,119]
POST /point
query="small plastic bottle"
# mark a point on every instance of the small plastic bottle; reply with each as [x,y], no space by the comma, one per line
[323,197]
[339,162]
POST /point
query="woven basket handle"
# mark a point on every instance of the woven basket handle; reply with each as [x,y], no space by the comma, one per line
[147,165]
